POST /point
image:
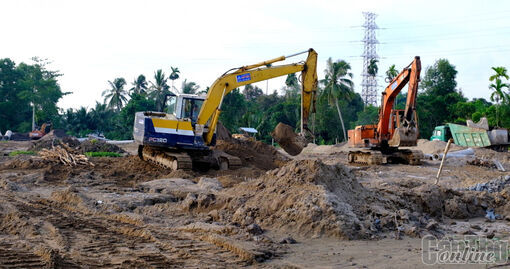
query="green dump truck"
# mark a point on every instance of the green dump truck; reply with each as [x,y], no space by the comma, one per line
[466,136]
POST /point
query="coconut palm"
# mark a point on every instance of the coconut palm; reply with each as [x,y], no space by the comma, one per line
[116,95]
[499,95]
[500,72]
[391,73]
[174,75]
[338,84]
[189,87]
[159,89]
[139,85]
[372,68]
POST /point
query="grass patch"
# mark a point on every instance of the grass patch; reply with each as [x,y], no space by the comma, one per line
[102,154]
[21,152]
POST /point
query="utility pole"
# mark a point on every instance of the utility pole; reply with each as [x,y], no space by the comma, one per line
[369,82]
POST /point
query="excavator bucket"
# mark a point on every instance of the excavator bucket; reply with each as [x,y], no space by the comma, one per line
[291,142]
[404,137]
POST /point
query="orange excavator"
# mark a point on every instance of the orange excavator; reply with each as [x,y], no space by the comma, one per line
[377,144]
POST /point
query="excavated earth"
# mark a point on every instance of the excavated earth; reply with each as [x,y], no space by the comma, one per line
[311,210]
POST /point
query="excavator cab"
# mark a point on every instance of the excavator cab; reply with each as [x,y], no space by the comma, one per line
[183,106]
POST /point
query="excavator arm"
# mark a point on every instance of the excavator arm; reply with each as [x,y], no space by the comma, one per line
[410,75]
[211,108]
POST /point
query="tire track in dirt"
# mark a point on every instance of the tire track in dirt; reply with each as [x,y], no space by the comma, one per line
[93,240]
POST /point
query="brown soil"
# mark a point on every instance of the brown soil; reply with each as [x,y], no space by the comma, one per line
[123,212]
[253,153]
[292,143]
[222,132]
[98,146]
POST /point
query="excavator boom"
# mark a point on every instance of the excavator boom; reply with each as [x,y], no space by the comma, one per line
[211,108]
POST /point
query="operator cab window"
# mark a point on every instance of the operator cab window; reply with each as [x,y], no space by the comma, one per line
[170,104]
[191,109]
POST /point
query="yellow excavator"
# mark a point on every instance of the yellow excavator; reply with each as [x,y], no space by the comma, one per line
[181,136]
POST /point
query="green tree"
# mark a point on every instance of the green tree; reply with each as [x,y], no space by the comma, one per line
[369,115]
[391,73]
[338,85]
[232,110]
[252,92]
[159,89]
[189,87]
[115,97]
[174,75]
[139,85]
[38,88]
[292,87]
[499,95]
[372,68]
[436,103]
[500,73]
[100,116]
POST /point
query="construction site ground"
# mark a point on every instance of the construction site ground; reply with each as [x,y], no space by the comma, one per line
[313,210]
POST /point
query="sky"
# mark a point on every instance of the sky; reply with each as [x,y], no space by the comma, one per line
[91,42]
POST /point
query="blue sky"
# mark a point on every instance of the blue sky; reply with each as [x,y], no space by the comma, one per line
[92,42]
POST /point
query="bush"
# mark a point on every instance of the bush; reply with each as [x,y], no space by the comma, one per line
[102,154]
[21,152]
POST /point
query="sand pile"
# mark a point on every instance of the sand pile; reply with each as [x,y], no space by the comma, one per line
[306,197]
[253,153]
[433,147]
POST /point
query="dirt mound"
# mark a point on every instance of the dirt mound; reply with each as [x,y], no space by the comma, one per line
[98,146]
[292,143]
[222,132]
[59,133]
[433,147]
[313,199]
[307,197]
[254,153]
[54,138]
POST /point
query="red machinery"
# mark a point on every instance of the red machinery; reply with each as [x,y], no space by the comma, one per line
[396,128]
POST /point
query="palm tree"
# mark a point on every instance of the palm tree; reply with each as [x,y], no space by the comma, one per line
[174,75]
[499,95]
[391,73]
[372,68]
[292,84]
[500,72]
[159,89]
[139,85]
[116,94]
[338,84]
[189,87]
[99,116]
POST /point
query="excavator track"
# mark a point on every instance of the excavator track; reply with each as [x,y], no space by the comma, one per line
[167,159]
[227,161]
[373,157]
[412,157]
[369,157]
